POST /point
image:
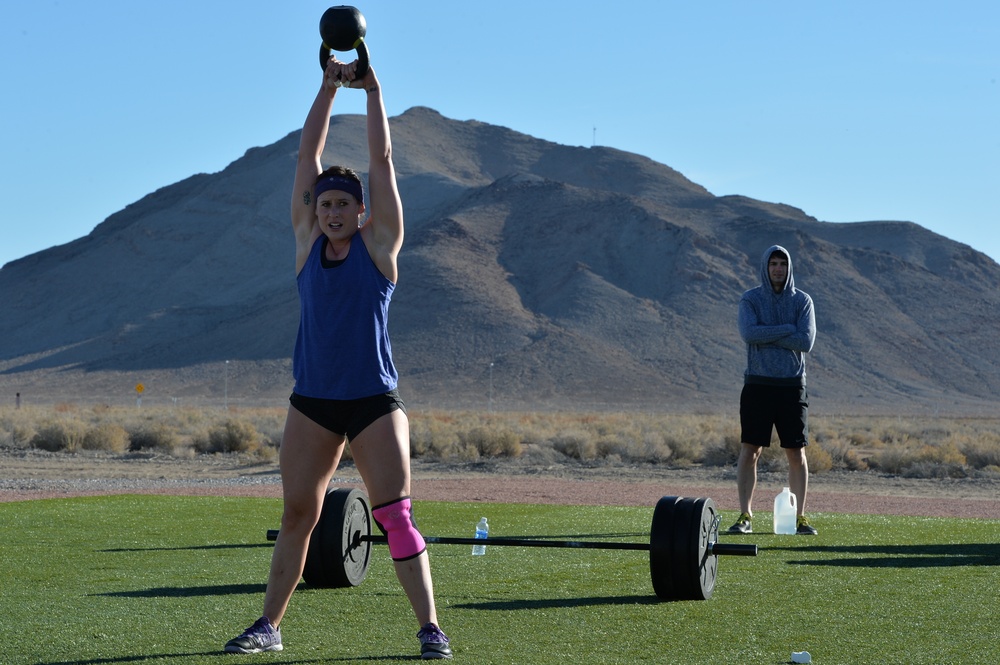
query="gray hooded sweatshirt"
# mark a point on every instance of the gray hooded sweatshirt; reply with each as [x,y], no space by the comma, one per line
[778,328]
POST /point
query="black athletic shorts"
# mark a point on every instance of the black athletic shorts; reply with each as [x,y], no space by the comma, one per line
[347,416]
[785,408]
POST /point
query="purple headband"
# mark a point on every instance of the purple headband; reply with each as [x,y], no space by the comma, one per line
[349,185]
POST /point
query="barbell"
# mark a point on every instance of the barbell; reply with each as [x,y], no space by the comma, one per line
[683,545]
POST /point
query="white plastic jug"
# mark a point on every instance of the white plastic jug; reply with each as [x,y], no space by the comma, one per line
[785,509]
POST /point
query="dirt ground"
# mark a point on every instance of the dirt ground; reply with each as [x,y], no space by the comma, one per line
[34,474]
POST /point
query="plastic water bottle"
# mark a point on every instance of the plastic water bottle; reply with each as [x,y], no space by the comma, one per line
[785,509]
[482,532]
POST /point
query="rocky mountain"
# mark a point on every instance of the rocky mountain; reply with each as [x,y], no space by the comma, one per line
[533,276]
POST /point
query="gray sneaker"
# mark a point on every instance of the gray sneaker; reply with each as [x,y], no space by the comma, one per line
[261,636]
[803,528]
[743,525]
[433,643]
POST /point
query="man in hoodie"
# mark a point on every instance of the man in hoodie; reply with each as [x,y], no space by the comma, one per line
[778,324]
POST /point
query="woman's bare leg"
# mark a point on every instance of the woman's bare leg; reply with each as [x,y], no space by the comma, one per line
[382,455]
[309,455]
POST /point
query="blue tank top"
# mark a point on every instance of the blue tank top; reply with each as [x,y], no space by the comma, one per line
[342,350]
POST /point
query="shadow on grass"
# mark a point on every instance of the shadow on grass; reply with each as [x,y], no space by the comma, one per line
[188,591]
[125,659]
[560,603]
[903,556]
[189,547]
[161,657]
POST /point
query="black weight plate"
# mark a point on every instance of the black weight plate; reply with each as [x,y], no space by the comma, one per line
[337,557]
[709,567]
[699,563]
[684,564]
[660,548]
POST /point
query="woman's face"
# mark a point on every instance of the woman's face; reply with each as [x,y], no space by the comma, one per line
[338,213]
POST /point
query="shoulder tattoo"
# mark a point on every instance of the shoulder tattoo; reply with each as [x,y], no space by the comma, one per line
[307,197]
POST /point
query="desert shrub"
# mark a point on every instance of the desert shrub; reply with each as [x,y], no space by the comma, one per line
[463,452]
[153,436]
[437,436]
[843,455]
[891,460]
[657,448]
[492,441]
[21,435]
[452,449]
[271,430]
[577,444]
[725,452]
[191,418]
[612,447]
[600,427]
[818,458]
[199,442]
[106,436]
[944,461]
[947,454]
[16,429]
[900,445]
[932,469]
[896,439]
[651,447]
[864,439]
[232,436]
[633,446]
[56,435]
[772,458]
[420,438]
[685,450]
[926,461]
[981,454]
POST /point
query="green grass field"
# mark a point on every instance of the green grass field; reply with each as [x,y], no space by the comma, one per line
[157,579]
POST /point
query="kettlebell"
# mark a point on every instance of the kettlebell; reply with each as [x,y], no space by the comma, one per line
[343,28]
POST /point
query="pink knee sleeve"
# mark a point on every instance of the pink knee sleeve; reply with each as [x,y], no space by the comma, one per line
[396,522]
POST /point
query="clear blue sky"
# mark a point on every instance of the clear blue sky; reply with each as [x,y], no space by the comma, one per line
[850,110]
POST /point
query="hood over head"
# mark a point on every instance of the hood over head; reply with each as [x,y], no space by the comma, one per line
[765,279]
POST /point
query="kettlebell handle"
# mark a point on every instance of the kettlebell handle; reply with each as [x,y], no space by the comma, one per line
[360,48]
[343,28]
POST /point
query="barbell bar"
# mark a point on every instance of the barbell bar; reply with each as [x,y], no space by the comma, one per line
[683,545]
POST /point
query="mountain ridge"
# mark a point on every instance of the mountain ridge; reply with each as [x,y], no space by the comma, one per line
[533,275]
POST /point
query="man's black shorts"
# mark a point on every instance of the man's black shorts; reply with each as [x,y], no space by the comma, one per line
[785,408]
[347,416]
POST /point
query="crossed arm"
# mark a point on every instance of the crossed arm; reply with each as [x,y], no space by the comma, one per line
[798,336]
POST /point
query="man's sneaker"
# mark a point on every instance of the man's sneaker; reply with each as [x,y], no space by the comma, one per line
[433,643]
[802,527]
[261,636]
[742,525]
